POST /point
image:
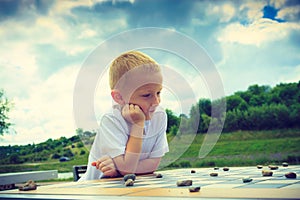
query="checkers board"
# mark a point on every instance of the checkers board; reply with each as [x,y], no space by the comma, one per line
[227,185]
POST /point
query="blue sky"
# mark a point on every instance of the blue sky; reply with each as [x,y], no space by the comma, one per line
[45,43]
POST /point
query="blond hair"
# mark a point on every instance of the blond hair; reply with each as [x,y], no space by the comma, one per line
[126,62]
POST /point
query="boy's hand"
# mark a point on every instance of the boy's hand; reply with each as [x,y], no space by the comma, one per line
[107,166]
[133,114]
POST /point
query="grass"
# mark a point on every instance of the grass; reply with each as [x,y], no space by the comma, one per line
[241,148]
[244,148]
[48,165]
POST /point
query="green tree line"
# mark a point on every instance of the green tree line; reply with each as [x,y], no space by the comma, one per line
[50,150]
[45,151]
[258,108]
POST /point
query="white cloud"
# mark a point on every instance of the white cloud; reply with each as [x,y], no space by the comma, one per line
[277,3]
[18,69]
[87,34]
[289,13]
[48,110]
[228,11]
[253,10]
[169,100]
[223,12]
[257,33]
[49,30]
[65,6]
[102,101]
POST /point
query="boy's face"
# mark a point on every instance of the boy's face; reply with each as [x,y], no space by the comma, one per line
[147,97]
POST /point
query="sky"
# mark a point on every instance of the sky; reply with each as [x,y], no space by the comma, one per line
[46,46]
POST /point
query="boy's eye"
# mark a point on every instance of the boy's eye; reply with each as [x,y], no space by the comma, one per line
[149,94]
[146,95]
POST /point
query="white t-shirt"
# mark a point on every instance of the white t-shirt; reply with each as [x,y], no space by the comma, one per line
[113,134]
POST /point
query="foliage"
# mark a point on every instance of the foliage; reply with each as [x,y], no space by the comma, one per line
[5,106]
[173,120]
[258,108]
[264,108]
[48,151]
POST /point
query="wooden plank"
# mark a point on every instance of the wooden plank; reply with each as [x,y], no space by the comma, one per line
[221,193]
[21,177]
[227,185]
[167,192]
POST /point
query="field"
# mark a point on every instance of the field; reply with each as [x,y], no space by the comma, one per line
[242,148]
[245,148]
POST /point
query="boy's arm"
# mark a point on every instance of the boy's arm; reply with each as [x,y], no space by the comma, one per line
[107,166]
[128,162]
[147,166]
[143,167]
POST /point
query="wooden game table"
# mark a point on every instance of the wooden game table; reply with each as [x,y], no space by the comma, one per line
[227,185]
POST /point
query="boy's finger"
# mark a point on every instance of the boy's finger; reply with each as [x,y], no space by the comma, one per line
[104,169]
[126,107]
[108,173]
[103,158]
[96,164]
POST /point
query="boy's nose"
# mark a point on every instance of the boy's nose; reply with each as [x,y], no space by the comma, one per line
[156,100]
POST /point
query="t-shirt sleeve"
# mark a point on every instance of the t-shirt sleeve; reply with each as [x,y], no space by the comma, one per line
[161,146]
[113,136]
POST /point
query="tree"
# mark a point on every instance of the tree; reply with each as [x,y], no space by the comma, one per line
[15,159]
[194,120]
[235,102]
[205,106]
[204,123]
[5,106]
[173,120]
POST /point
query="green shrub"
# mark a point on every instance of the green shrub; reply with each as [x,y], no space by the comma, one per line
[55,156]
[185,164]
[82,152]
[79,144]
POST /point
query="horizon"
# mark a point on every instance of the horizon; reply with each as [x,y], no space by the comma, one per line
[45,44]
[178,115]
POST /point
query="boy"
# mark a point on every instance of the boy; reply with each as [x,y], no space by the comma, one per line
[131,139]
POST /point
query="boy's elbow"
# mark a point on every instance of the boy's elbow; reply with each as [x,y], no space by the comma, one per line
[126,169]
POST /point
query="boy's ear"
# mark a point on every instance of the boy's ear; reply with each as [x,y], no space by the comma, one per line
[117,97]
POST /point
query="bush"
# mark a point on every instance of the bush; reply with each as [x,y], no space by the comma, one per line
[205,164]
[79,144]
[55,156]
[15,159]
[293,159]
[82,152]
[68,153]
[185,164]
[173,130]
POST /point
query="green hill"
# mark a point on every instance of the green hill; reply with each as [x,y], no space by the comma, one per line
[46,155]
[241,148]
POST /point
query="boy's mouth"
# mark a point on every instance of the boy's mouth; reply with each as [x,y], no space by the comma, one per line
[151,110]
